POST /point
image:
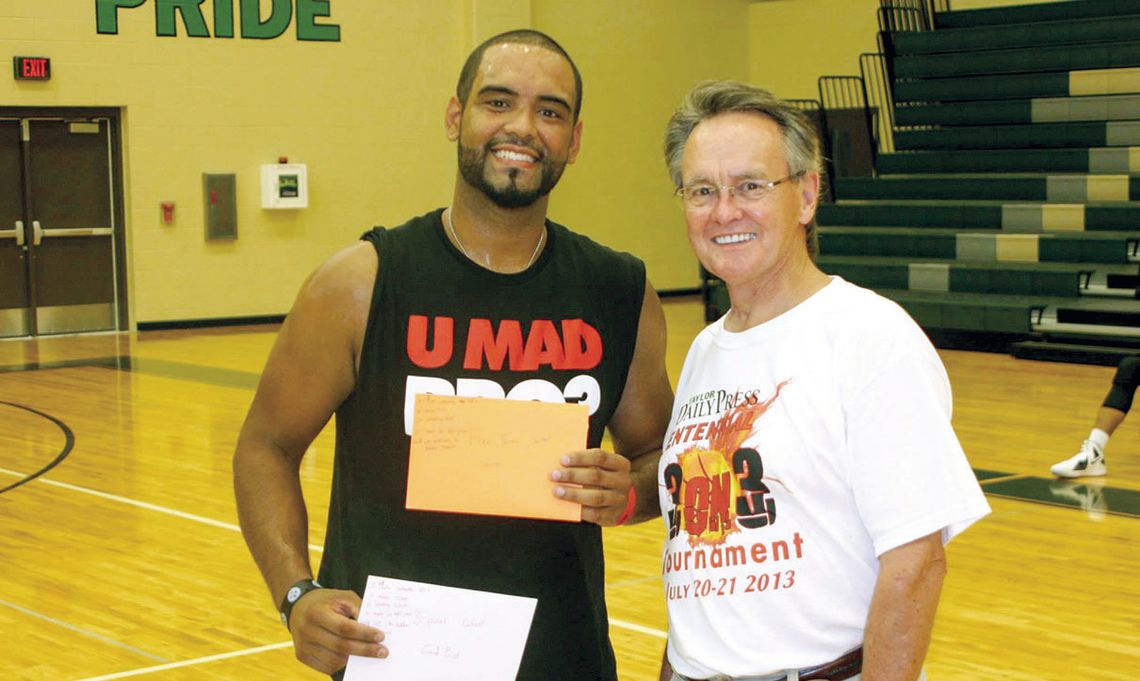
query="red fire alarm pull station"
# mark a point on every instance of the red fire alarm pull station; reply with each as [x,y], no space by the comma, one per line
[32,68]
[167,212]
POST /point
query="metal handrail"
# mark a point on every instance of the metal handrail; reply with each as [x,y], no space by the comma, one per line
[850,93]
[876,79]
[925,10]
[897,19]
[873,90]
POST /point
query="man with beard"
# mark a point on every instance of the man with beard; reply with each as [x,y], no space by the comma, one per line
[485,298]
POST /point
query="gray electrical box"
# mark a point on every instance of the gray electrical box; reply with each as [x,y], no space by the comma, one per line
[219,192]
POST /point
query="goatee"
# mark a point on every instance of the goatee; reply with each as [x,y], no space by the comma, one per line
[473,168]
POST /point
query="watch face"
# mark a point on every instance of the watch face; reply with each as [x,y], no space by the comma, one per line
[293,594]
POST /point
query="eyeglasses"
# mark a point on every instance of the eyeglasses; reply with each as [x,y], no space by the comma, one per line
[703,195]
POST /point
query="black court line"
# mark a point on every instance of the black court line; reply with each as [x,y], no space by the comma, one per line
[62,364]
[982,475]
[68,445]
[1093,495]
[154,367]
[230,378]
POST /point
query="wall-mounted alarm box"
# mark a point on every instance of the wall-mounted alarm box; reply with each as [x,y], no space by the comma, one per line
[284,185]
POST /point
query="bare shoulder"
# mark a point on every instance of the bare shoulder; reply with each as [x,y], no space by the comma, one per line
[336,296]
[347,276]
[325,329]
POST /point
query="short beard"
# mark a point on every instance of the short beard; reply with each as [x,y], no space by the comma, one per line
[472,163]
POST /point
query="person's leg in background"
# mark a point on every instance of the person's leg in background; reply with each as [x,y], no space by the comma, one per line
[1089,460]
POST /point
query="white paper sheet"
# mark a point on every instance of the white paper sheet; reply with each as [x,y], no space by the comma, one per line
[440,633]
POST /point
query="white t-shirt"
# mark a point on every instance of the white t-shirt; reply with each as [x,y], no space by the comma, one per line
[799,451]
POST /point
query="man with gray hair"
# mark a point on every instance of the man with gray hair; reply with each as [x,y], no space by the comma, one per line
[810,475]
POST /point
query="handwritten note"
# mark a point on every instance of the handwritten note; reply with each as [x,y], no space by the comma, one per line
[441,633]
[492,456]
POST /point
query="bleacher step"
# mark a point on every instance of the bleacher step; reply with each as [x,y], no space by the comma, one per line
[1048,11]
[1097,161]
[1049,351]
[1035,110]
[1059,83]
[1122,54]
[1014,217]
[1005,187]
[1025,136]
[1019,35]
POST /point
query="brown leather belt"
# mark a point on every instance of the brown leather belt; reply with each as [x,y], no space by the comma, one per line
[839,669]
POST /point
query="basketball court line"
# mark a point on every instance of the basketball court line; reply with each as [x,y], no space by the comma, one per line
[288,644]
[68,445]
[142,504]
[82,631]
[190,663]
[656,633]
[648,631]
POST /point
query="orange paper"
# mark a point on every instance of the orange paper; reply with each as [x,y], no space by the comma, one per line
[492,456]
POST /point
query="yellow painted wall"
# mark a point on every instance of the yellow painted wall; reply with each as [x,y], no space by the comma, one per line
[794,42]
[638,58]
[366,115]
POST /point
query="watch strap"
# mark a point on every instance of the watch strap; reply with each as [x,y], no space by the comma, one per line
[299,588]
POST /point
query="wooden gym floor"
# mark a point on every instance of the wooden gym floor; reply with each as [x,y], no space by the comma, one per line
[121,555]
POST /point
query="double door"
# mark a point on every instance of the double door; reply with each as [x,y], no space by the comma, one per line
[60,269]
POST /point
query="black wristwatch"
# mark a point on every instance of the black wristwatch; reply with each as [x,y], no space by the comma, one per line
[293,595]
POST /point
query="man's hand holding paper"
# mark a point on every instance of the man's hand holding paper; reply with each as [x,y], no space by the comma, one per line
[598,480]
[492,456]
[325,631]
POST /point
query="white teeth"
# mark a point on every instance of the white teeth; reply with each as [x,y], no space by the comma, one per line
[733,238]
[513,156]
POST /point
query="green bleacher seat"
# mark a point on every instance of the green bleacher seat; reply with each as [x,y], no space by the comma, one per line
[1043,12]
[1092,30]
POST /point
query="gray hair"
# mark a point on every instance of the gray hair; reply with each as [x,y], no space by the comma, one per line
[712,98]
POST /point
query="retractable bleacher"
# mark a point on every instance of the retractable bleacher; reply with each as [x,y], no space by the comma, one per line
[1007,215]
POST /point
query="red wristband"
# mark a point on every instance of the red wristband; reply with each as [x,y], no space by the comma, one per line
[629,506]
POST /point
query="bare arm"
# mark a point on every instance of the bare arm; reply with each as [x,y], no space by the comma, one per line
[310,371]
[637,429]
[902,610]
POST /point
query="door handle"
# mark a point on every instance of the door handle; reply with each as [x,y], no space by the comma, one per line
[20,234]
[37,233]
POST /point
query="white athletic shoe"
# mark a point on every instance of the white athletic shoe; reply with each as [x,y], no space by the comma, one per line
[1089,461]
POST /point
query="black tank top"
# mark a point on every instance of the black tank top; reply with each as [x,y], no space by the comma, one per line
[564,329]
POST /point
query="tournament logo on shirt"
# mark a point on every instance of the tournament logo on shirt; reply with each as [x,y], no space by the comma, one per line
[717,486]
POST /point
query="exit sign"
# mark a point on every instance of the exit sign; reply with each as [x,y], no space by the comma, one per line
[32,68]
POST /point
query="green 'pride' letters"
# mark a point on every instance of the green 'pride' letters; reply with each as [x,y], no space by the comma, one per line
[252,23]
